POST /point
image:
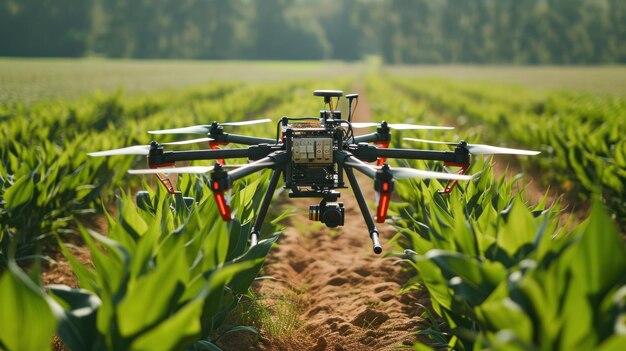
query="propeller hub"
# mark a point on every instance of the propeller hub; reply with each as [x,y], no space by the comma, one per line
[383,128]
[216,128]
[384,173]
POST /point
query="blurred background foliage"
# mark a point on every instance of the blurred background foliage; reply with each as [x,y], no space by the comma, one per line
[400,31]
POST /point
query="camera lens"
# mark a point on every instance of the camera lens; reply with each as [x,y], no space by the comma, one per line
[332,216]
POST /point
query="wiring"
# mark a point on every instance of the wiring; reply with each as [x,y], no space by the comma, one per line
[291,119]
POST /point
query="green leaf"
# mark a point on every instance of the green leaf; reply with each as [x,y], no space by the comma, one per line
[505,314]
[480,278]
[435,282]
[519,229]
[244,278]
[614,343]
[78,330]
[26,318]
[20,192]
[600,254]
[213,290]
[174,333]
[85,276]
[149,298]
[130,219]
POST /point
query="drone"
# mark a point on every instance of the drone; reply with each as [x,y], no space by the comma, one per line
[311,154]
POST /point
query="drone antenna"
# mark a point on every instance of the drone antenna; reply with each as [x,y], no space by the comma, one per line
[330,105]
[328,95]
[351,97]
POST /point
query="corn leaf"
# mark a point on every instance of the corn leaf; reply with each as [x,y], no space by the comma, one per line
[26,319]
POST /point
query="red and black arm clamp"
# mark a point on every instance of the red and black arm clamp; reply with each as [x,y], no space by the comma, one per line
[462,162]
[220,185]
[156,151]
[384,138]
[381,139]
[383,185]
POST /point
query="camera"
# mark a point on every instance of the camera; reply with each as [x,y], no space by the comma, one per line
[331,214]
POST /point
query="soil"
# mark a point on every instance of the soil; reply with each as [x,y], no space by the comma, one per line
[348,296]
[59,271]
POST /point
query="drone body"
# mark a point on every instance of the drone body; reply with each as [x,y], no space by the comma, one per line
[311,154]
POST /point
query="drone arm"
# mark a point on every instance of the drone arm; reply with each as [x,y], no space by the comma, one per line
[270,161]
[368,138]
[175,156]
[359,166]
[370,153]
[254,152]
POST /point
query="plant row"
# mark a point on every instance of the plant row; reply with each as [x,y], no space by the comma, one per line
[165,277]
[504,275]
[46,178]
[581,135]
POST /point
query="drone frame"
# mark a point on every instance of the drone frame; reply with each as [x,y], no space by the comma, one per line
[285,157]
[263,153]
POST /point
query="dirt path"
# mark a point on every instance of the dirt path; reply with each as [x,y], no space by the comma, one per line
[348,297]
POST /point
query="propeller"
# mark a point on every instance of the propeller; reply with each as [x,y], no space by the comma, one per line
[406,173]
[143,149]
[399,126]
[190,169]
[205,128]
[482,149]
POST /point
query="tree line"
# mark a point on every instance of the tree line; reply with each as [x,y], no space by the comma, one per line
[400,31]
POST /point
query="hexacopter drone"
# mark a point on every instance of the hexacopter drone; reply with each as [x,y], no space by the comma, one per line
[312,154]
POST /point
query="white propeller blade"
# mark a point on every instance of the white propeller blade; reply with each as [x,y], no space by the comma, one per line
[177,170]
[406,173]
[399,126]
[205,128]
[245,123]
[200,129]
[191,169]
[131,150]
[143,149]
[186,142]
[482,149]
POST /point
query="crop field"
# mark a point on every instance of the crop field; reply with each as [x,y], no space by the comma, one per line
[32,79]
[497,264]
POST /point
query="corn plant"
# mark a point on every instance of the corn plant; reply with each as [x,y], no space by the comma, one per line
[28,317]
[506,276]
[43,189]
[165,277]
[168,274]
